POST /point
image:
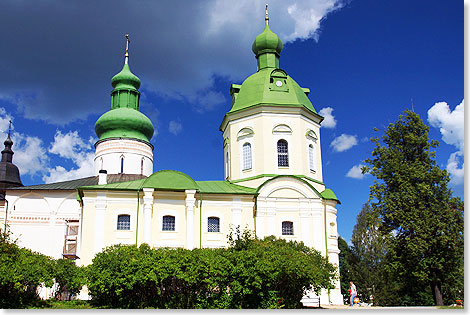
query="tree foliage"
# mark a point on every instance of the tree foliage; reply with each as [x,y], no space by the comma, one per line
[21,272]
[252,273]
[368,250]
[346,263]
[412,201]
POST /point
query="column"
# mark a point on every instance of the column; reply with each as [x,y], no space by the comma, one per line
[190,201]
[100,209]
[148,204]
[237,212]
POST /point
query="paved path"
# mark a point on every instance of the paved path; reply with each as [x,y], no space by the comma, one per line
[408,308]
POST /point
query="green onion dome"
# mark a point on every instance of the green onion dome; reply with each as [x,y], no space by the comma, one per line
[267,42]
[124,119]
[125,79]
[124,123]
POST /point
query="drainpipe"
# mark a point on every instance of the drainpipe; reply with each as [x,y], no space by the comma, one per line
[326,245]
[254,213]
[137,223]
[200,219]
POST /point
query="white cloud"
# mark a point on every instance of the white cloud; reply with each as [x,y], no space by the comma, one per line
[307,16]
[329,121]
[343,142]
[356,172]
[456,173]
[175,127]
[30,155]
[71,146]
[452,126]
[450,123]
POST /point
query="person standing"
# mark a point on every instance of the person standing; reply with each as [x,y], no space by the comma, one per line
[353,292]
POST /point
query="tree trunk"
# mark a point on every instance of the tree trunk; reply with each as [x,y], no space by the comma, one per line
[436,292]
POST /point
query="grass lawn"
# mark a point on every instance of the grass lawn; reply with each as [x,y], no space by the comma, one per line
[55,304]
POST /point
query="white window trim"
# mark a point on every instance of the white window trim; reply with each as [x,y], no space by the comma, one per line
[295,224]
[289,150]
[119,212]
[171,213]
[221,222]
[250,141]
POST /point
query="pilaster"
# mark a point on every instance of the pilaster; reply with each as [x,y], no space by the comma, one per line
[190,202]
[100,209]
[148,205]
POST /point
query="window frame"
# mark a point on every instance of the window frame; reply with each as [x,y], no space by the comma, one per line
[208,224]
[287,231]
[247,160]
[119,225]
[163,229]
[282,154]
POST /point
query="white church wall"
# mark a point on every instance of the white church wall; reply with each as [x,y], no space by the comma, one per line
[37,219]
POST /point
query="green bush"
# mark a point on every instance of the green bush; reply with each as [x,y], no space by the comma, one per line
[251,273]
[21,272]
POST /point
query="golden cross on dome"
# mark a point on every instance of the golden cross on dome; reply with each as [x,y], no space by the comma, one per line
[267,17]
[126,56]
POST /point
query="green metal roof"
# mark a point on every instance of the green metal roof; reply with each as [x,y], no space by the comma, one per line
[328,194]
[223,187]
[259,90]
[175,181]
[86,181]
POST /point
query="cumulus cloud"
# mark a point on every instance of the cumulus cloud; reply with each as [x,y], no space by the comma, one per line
[356,172]
[191,45]
[451,125]
[343,142]
[71,146]
[175,127]
[329,121]
[456,173]
[30,154]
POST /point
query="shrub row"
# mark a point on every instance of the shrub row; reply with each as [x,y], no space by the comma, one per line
[252,273]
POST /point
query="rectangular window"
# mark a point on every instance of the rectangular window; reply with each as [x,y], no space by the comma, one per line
[213,224]
[124,222]
[287,228]
[168,223]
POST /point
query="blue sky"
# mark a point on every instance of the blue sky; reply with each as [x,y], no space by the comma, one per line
[363,60]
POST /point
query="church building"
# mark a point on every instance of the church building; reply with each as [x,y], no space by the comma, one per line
[273,181]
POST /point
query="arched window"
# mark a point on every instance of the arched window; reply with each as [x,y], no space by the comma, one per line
[282,153]
[124,222]
[142,166]
[246,156]
[213,224]
[311,161]
[122,164]
[168,223]
[101,161]
[287,228]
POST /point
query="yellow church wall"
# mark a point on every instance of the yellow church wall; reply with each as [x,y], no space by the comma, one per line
[169,203]
[267,129]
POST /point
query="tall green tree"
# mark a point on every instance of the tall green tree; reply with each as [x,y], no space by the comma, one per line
[369,247]
[346,261]
[411,197]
